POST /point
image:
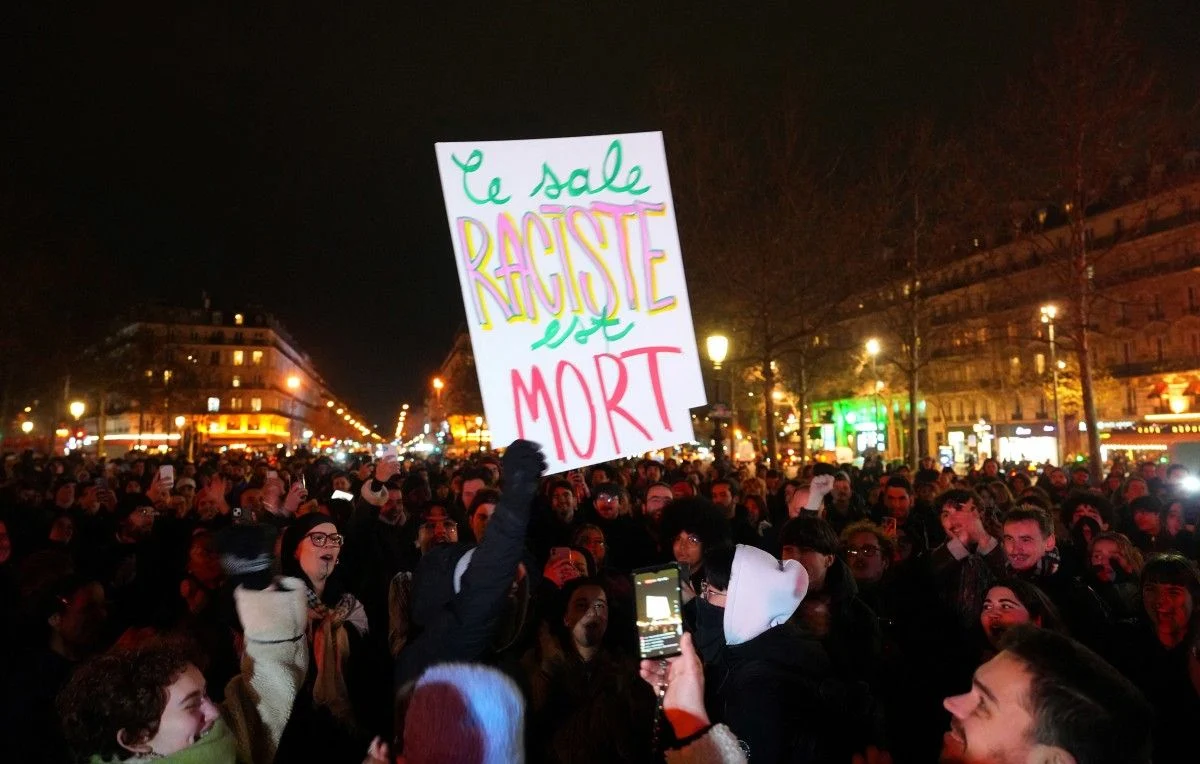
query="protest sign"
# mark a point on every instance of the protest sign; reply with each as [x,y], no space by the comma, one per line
[573,283]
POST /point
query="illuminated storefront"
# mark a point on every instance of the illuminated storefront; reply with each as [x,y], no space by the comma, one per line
[1033,442]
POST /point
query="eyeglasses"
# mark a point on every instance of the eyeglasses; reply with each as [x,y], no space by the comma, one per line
[692,538]
[708,592]
[325,539]
[865,551]
[446,525]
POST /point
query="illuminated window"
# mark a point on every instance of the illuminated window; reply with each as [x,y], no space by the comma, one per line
[235,404]
[214,404]
[149,373]
[239,319]
[1039,361]
[167,374]
[256,404]
[237,381]
[256,358]
[239,357]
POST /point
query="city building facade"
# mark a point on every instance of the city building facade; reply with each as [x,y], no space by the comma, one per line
[234,379]
[989,368]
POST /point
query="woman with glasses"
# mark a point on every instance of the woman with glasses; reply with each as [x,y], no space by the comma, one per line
[323,726]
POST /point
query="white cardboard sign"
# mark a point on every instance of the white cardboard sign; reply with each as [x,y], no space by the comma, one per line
[572,277]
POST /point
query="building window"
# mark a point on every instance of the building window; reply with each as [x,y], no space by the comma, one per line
[239,319]
[237,381]
[239,357]
[256,404]
[214,404]
[256,357]
[167,374]
[235,404]
[1039,361]
[215,358]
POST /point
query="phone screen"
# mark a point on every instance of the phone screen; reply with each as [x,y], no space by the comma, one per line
[659,611]
[166,474]
[343,495]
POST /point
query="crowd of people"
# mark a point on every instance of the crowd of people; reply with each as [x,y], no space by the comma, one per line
[269,608]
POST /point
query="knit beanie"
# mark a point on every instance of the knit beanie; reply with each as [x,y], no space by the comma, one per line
[465,713]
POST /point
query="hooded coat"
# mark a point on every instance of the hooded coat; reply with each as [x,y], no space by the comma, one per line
[767,669]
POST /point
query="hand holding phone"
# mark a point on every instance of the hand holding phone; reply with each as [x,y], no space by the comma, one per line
[343,495]
[659,597]
[166,476]
[889,527]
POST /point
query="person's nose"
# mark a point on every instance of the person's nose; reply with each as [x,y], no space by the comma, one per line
[959,706]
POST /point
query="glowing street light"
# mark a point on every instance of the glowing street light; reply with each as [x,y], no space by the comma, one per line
[180,421]
[1049,313]
[293,382]
[718,350]
[873,347]
[77,408]
[27,427]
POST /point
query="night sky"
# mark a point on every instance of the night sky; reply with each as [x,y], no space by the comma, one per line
[282,153]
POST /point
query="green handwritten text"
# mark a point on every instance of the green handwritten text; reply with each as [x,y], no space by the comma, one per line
[473,163]
[578,182]
[555,335]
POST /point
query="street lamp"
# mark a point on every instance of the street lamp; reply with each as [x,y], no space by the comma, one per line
[180,421]
[718,350]
[77,408]
[293,382]
[27,426]
[873,347]
[1049,313]
[479,431]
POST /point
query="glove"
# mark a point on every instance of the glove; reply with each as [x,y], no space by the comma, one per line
[522,466]
[246,555]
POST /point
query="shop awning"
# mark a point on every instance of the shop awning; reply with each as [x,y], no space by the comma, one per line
[1159,389]
[1193,388]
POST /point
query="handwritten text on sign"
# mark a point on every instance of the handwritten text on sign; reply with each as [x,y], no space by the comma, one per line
[572,278]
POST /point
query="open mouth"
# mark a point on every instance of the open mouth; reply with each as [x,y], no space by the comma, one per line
[327,557]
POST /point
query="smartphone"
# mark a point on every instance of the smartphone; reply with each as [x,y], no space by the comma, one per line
[166,475]
[389,453]
[560,551]
[343,495]
[889,527]
[659,610]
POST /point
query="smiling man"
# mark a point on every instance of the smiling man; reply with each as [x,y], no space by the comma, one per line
[1046,698]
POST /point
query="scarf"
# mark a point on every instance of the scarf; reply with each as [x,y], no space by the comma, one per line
[217,746]
[331,648]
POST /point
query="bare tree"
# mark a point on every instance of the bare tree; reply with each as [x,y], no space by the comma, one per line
[1088,128]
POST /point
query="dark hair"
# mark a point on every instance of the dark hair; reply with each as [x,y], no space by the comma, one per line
[957,496]
[479,473]
[1036,602]
[119,690]
[899,481]
[1036,514]
[809,532]
[484,496]
[694,515]
[1173,568]
[1171,470]
[1146,504]
[886,546]
[763,511]
[560,483]
[734,488]
[718,565]
[1077,499]
[293,536]
[1080,703]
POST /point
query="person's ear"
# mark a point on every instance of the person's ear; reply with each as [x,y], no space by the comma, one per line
[138,746]
[829,558]
[1050,542]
